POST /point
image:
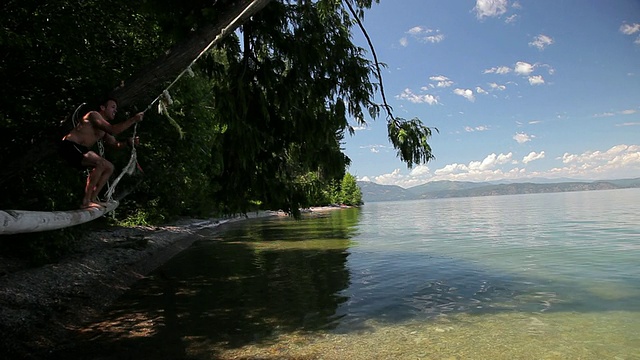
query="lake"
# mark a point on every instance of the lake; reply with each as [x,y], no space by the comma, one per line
[537,276]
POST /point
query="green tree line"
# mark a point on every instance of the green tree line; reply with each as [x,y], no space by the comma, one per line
[258,122]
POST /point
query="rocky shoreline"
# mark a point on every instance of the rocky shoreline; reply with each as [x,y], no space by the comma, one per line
[40,307]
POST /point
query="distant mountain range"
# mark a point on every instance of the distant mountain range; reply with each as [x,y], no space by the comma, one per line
[372,192]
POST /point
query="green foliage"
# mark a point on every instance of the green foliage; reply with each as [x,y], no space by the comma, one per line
[410,138]
[261,122]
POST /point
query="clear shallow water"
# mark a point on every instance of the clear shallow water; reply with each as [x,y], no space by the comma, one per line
[544,276]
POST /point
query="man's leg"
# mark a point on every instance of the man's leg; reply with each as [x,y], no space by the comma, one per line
[98,176]
[107,169]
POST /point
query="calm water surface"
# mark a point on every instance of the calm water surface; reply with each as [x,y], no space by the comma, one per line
[544,276]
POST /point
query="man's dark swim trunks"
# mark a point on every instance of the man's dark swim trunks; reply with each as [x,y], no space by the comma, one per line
[73,153]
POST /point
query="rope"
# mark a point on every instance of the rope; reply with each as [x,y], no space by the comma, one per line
[129,169]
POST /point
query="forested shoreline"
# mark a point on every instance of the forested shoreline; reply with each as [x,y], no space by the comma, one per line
[256,123]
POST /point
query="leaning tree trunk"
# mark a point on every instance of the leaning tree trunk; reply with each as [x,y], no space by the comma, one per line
[142,88]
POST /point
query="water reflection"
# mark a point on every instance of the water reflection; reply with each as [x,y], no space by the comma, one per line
[258,279]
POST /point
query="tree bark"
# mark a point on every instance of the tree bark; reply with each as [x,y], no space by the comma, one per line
[141,89]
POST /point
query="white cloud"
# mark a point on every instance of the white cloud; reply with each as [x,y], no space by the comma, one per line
[541,41]
[522,138]
[466,93]
[591,156]
[480,90]
[418,176]
[490,8]
[629,124]
[536,80]
[630,29]
[490,162]
[533,156]
[616,162]
[523,68]
[452,169]
[416,30]
[408,95]
[420,170]
[404,42]
[442,81]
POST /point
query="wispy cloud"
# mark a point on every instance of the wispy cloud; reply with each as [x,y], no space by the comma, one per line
[477,128]
[622,112]
[408,95]
[441,81]
[423,34]
[374,148]
[629,124]
[541,41]
[500,70]
[631,29]
[522,138]
[511,19]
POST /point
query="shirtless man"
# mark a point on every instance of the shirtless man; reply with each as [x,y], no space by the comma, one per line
[74,147]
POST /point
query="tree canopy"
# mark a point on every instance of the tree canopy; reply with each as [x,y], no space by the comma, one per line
[263,116]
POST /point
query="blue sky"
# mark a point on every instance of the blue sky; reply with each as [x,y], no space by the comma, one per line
[518,89]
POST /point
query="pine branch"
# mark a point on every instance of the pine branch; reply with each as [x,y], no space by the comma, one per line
[385,104]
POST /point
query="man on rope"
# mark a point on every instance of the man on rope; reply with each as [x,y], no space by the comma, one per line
[75,146]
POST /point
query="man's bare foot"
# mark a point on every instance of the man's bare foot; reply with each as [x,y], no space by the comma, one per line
[92,205]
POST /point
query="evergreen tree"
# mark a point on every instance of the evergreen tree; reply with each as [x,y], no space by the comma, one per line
[350,193]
